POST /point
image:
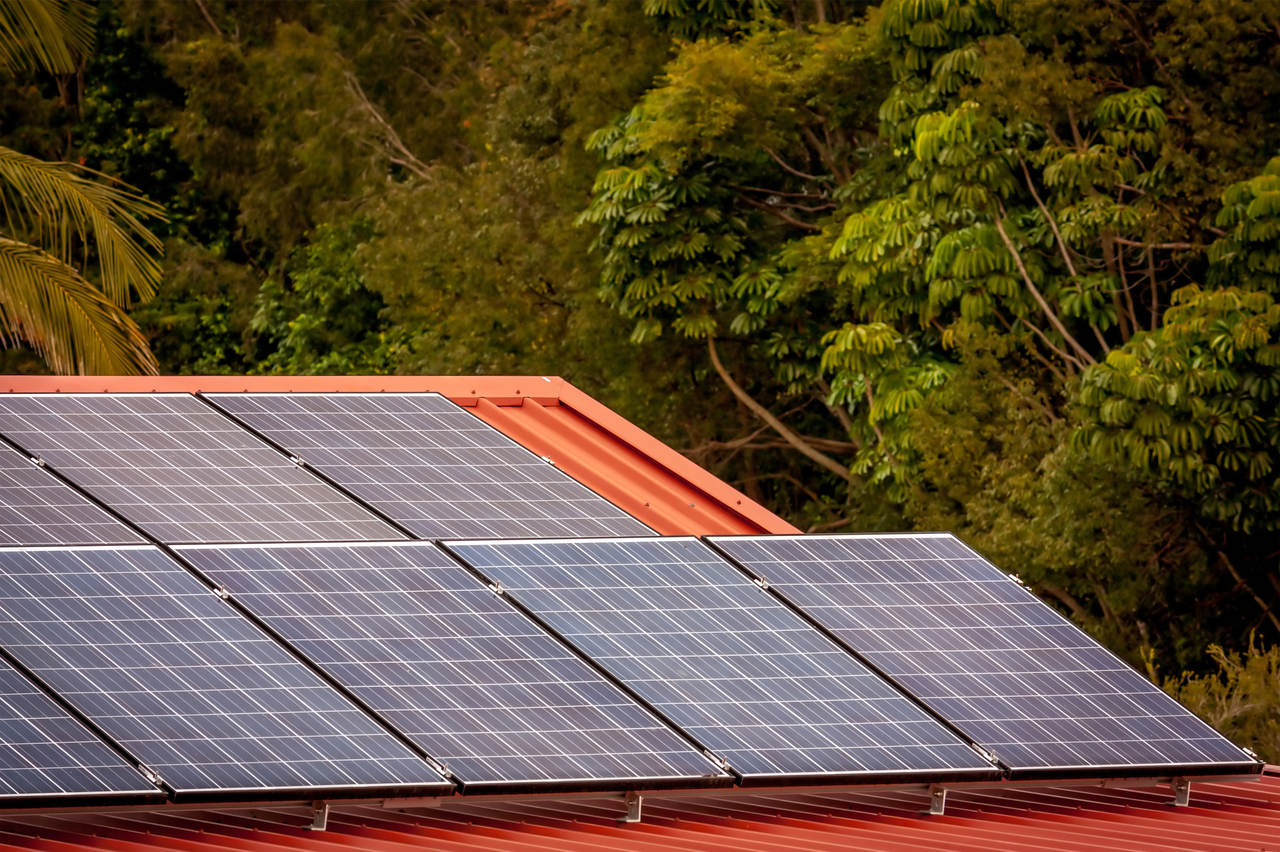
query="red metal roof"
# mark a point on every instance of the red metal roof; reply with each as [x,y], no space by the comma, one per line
[1221,816]
[549,416]
[674,496]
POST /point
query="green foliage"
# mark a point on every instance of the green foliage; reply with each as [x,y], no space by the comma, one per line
[1194,405]
[63,222]
[1241,699]
[327,321]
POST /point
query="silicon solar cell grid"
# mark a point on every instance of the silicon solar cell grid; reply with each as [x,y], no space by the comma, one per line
[180,470]
[429,465]
[186,684]
[45,751]
[982,651]
[721,658]
[469,678]
[36,508]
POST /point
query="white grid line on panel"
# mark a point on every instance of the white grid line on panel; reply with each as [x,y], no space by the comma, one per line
[180,470]
[37,509]
[183,681]
[981,650]
[431,466]
[472,680]
[740,672]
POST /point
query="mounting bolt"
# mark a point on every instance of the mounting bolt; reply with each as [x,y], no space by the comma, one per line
[937,800]
[319,816]
[633,801]
[1181,792]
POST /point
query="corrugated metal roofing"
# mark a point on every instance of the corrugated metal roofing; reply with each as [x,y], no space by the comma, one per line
[674,496]
[1221,816]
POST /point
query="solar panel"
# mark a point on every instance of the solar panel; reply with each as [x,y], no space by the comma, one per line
[47,752]
[724,660]
[187,685]
[36,508]
[434,468]
[180,470]
[982,651]
[468,677]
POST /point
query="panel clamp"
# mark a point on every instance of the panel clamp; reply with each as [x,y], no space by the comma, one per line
[548,460]
[497,589]
[762,583]
[297,460]
[319,816]
[1181,792]
[150,774]
[37,461]
[633,802]
[937,800]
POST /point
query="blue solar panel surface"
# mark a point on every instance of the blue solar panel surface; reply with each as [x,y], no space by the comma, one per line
[36,508]
[469,678]
[185,683]
[45,751]
[180,470]
[724,660]
[434,468]
[982,651]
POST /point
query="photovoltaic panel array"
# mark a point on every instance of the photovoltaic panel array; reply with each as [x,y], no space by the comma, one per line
[45,751]
[36,508]
[187,685]
[468,677]
[982,651]
[180,470]
[724,660]
[434,468]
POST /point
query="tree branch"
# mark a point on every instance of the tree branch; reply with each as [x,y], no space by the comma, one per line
[839,411]
[816,456]
[398,153]
[1081,352]
[1266,608]
[774,154]
[204,12]
[1167,246]
[779,213]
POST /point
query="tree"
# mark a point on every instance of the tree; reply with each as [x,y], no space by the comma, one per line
[58,215]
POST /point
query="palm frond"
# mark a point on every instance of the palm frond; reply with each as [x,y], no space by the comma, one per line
[63,206]
[69,322]
[44,34]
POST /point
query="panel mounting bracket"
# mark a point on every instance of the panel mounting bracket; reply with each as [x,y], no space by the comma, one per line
[633,802]
[1181,792]
[319,816]
[937,800]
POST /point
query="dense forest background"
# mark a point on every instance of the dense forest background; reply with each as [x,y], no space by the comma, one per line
[1009,269]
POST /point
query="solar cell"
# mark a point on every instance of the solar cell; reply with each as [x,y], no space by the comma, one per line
[180,470]
[187,685]
[434,468]
[468,677]
[727,662]
[982,651]
[47,752]
[36,508]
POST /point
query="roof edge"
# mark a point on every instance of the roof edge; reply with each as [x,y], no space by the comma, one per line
[465,390]
[671,460]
